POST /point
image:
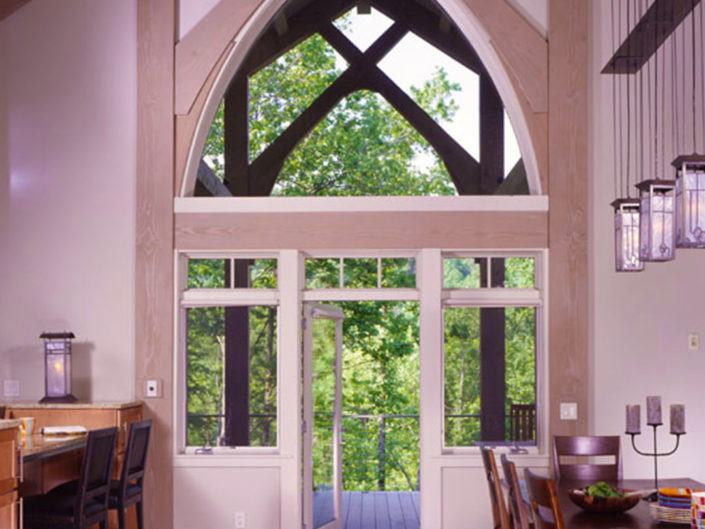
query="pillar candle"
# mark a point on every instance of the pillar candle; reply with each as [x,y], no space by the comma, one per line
[633,419]
[653,411]
[677,418]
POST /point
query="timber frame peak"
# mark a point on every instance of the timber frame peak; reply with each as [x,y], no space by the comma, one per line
[299,20]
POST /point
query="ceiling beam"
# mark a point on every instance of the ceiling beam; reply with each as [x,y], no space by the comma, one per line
[427,25]
[7,7]
[301,26]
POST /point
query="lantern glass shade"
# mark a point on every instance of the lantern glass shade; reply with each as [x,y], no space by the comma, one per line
[626,235]
[57,367]
[690,201]
[657,222]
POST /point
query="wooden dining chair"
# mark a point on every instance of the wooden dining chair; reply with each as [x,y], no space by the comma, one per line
[515,498]
[500,516]
[127,490]
[83,503]
[545,509]
[582,446]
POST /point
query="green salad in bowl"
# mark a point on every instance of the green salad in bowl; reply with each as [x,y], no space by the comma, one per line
[602,497]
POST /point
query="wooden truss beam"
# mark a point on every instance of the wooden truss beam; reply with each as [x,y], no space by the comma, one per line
[300,26]
[264,170]
[429,26]
[463,168]
[210,182]
[658,23]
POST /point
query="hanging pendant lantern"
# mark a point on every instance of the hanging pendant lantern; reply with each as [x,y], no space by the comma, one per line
[626,235]
[657,226]
[690,201]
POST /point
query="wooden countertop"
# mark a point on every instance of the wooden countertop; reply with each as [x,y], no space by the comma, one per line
[105,405]
[6,424]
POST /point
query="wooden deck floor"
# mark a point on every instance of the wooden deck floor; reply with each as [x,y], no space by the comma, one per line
[380,510]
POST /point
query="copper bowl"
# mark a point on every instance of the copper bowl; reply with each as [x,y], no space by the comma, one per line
[599,504]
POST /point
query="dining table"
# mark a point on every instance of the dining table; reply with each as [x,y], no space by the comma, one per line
[48,461]
[639,517]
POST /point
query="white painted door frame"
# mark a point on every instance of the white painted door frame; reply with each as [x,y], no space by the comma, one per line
[313,311]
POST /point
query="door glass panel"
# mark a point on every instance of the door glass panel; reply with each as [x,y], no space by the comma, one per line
[324,386]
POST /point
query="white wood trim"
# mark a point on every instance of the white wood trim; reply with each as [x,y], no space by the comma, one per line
[361,294]
[224,461]
[228,297]
[430,278]
[529,203]
[492,297]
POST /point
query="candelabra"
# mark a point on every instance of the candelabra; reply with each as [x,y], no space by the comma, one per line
[653,416]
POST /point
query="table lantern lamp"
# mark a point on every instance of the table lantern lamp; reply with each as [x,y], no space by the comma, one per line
[57,367]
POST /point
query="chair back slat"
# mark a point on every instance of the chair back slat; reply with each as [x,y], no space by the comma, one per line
[136,454]
[520,518]
[577,447]
[545,508]
[94,483]
[500,516]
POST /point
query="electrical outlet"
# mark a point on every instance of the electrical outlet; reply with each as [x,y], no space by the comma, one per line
[569,411]
[11,388]
[152,388]
[693,341]
[240,520]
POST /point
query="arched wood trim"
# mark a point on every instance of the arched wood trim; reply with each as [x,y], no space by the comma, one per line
[528,124]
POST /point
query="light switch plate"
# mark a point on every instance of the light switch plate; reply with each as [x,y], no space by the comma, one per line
[11,388]
[693,341]
[569,411]
[153,388]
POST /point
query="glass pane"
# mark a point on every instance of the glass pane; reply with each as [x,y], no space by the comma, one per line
[519,272]
[462,376]
[322,273]
[263,273]
[206,273]
[360,273]
[507,416]
[323,360]
[215,359]
[399,273]
[462,272]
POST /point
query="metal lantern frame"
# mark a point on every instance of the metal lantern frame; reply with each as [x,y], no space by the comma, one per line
[690,201]
[626,235]
[657,222]
[57,367]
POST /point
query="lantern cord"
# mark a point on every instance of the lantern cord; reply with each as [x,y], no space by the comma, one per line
[656,105]
[620,176]
[674,90]
[617,174]
[648,110]
[629,105]
[702,69]
[663,108]
[692,4]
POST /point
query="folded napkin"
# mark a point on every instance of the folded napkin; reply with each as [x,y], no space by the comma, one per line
[64,430]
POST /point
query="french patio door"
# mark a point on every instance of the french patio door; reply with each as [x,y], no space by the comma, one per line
[322,406]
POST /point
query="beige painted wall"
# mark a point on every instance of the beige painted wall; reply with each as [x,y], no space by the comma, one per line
[640,321]
[67,182]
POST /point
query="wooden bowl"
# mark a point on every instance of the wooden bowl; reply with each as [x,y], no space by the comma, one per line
[597,504]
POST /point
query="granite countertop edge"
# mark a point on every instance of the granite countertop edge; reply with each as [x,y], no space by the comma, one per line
[7,424]
[107,405]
